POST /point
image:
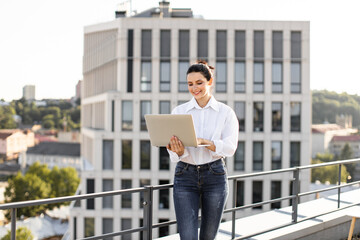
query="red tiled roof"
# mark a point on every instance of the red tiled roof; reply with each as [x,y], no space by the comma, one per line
[351,138]
[322,128]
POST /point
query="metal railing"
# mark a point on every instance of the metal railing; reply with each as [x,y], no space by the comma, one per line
[147,203]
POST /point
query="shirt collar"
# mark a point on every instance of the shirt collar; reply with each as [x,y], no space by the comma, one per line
[212,103]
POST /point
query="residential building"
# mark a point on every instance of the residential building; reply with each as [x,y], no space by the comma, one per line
[322,134]
[15,141]
[338,142]
[29,92]
[137,65]
[53,154]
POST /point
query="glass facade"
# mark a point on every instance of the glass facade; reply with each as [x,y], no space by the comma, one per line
[126,199]
[108,155]
[145,154]
[108,185]
[239,108]
[295,115]
[258,117]
[127,116]
[145,108]
[126,155]
[276,112]
[258,156]
[239,157]
[276,155]
[257,191]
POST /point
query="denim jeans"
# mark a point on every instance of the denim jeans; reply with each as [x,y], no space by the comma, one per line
[200,186]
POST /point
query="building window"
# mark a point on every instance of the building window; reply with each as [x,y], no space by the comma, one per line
[277,45]
[257,195]
[240,113]
[164,107]
[240,76]
[221,44]
[112,115]
[108,154]
[107,202]
[164,158]
[240,193]
[126,198]
[277,77]
[203,44]
[125,225]
[89,227]
[294,154]
[143,183]
[295,77]
[90,188]
[276,155]
[145,81]
[127,116]
[126,155]
[258,116]
[239,157]
[183,67]
[165,76]
[145,108]
[240,45]
[276,112]
[130,53]
[164,196]
[146,43]
[296,62]
[107,226]
[165,44]
[275,193]
[163,231]
[258,156]
[144,154]
[295,112]
[184,44]
[258,45]
[258,77]
[220,77]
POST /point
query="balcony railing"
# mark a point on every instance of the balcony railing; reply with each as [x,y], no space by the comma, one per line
[148,191]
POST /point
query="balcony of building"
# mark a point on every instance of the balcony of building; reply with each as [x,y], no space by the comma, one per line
[323,218]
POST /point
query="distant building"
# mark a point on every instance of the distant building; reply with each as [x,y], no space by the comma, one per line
[78,90]
[54,154]
[322,134]
[29,92]
[72,136]
[15,141]
[338,142]
[137,65]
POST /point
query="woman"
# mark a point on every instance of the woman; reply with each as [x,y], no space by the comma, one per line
[200,174]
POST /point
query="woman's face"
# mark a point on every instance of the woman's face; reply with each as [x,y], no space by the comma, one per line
[198,86]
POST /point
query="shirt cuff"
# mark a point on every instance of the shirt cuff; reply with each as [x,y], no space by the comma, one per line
[175,158]
[219,145]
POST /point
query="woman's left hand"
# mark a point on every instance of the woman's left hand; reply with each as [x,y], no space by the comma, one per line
[211,144]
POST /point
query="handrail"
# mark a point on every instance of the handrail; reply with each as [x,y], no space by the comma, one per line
[148,201]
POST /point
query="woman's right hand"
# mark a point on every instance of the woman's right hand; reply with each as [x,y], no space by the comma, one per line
[176,145]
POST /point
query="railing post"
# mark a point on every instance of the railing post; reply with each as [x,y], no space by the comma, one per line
[13,223]
[148,211]
[295,201]
[339,182]
[233,214]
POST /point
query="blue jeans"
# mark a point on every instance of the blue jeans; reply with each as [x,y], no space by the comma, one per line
[196,186]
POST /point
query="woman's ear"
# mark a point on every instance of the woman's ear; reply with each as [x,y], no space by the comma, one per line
[210,81]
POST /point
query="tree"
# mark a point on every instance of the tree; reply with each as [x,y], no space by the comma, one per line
[24,188]
[7,117]
[325,157]
[40,182]
[346,154]
[22,233]
[328,173]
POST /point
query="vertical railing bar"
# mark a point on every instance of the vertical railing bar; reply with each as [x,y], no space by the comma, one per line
[13,223]
[233,214]
[148,211]
[295,200]
[339,182]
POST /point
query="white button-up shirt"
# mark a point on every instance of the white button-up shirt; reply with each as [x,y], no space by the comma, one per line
[216,122]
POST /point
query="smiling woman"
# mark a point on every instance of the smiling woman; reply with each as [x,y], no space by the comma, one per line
[200,174]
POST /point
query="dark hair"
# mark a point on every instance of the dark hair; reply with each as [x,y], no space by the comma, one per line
[202,67]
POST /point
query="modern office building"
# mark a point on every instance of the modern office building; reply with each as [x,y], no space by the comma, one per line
[137,65]
[29,92]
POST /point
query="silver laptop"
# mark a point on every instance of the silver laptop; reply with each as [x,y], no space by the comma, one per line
[162,127]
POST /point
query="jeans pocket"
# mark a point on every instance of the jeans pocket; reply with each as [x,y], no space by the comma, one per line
[218,168]
[179,170]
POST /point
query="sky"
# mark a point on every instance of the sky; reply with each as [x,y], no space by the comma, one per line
[41,41]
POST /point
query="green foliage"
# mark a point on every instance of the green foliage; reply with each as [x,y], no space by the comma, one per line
[40,182]
[22,233]
[326,105]
[346,154]
[325,157]
[27,187]
[51,116]
[7,117]
[328,173]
